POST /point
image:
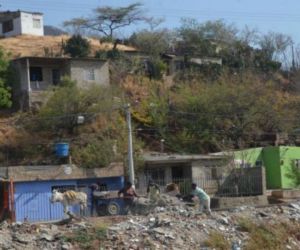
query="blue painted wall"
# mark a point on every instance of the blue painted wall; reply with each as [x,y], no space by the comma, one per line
[32,199]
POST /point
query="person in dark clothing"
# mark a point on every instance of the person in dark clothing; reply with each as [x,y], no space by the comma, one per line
[93,187]
[128,193]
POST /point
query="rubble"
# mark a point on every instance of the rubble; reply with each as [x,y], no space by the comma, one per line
[177,226]
[172,225]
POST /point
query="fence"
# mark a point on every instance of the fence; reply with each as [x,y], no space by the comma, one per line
[236,184]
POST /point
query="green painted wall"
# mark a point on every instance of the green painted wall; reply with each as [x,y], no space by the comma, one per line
[251,155]
[271,161]
[288,155]
[278,162]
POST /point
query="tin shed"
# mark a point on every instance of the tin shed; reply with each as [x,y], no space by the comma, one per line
[29,196]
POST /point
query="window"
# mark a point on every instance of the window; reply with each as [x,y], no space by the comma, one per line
[36,74]
[63,188]
[7,26]
[156,174]
[90,75]
[179,65]
[36,23]
[297,163]
[258,163]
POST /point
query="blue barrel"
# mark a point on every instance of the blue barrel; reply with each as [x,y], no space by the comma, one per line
[62,149]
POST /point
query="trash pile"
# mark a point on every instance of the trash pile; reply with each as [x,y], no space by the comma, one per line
[171,224]
[36,236]
[182,227]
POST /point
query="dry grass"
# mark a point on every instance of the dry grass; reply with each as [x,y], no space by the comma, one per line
[27,45]
[272,236]
[217,241]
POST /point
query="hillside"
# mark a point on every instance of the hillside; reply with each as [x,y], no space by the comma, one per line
[27,45]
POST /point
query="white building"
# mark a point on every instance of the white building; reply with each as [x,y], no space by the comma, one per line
[14,23]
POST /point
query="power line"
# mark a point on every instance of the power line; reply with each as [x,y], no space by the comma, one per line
[277,17]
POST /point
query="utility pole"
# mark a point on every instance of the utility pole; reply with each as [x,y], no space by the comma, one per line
[130,148]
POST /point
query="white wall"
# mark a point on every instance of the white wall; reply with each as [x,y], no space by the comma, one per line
[27,24]
[24,25]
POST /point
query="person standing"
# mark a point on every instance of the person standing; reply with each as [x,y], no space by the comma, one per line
[203,198]
[94,187]
[128,193]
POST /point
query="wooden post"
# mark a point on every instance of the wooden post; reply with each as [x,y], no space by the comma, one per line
[12,200]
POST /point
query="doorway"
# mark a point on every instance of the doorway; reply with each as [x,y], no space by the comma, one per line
[4,203]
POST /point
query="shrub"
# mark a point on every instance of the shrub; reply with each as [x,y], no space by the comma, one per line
[77,46]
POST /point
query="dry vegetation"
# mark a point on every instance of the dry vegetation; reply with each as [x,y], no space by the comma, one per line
[27,45]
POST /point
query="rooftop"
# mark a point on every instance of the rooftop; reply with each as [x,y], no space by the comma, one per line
[155,157]
[7,15]
[58,172]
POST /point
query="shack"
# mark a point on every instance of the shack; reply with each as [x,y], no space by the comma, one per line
[25,191]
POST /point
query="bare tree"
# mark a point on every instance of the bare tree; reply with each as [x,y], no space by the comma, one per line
[249,35]
[275,44]
[106,20]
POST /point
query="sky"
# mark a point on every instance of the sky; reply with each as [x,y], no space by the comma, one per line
[265,15]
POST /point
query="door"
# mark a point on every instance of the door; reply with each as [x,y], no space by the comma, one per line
[55,76]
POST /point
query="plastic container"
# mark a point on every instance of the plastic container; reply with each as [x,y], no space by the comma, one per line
[62,149]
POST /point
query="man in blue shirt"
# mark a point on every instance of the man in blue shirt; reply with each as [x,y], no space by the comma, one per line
[203,198]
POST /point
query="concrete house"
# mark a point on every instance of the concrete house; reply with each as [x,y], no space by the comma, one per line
[167,168]
[214,173]
[38,74]
[15,23]
[176,63]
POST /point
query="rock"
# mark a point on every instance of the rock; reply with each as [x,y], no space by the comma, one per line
[22,238]
[170,236]
[262,214]
[47,237]
[223,220]
[235,246]
[159,230]
[152,219]
[4,225]
[66,246]
[294,205]
[5,241]
[114,228]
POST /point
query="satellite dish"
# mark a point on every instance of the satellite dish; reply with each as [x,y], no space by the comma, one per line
[67,169]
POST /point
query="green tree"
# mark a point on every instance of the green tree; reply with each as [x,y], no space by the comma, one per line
[152,42]
[234,111]
[101,139]
[204,39]
[77,46]
[68,101]
[5,78]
